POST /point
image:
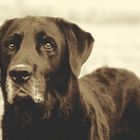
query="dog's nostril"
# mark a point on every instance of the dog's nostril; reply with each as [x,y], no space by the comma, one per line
[20,76]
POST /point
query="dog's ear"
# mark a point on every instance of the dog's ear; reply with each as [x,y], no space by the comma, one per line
[3,30]
[79,42]
[4,27]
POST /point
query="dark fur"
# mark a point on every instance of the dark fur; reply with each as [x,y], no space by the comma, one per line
[104,105]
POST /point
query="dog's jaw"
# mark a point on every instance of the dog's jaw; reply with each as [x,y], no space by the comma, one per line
[35,91]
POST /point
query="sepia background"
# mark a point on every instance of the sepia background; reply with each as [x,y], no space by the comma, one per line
[115,25]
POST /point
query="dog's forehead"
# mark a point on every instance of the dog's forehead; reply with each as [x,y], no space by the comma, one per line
[35,25]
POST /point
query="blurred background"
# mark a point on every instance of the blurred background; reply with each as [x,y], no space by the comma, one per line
[115,25]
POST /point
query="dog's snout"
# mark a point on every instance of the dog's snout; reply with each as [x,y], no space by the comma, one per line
[20,73]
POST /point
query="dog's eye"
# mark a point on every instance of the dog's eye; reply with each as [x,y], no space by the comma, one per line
[48,46]
[11,47]
[13,42]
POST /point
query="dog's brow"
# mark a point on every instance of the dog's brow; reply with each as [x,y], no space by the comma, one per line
[17,36]
[40,35]
[16,33]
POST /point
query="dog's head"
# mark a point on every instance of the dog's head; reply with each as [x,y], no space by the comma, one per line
[39,53]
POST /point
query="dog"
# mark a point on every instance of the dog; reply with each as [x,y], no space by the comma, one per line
[40,61]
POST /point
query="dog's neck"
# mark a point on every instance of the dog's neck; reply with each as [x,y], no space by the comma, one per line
[63,101]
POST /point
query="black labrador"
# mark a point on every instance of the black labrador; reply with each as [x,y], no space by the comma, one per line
[40,60]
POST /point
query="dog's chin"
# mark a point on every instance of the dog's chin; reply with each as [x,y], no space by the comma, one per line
[24,102]
[25,105]
[26,111]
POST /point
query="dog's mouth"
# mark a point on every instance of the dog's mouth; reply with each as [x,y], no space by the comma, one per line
[34,90]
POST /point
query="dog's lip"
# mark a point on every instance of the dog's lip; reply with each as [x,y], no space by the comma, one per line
[24,103]
[22,89]
[24,99]
[23,93]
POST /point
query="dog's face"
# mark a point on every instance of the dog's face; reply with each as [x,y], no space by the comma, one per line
[37,53]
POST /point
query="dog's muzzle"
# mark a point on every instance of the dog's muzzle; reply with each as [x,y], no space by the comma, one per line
[21,82]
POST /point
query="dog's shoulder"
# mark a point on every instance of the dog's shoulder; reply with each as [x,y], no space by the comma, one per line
[104,91]
[110,76]
[109,83]
[96,88]
[107,87]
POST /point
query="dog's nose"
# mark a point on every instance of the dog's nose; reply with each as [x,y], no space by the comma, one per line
[20,73]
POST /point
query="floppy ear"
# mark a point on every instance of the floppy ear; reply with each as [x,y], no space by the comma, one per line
[79,42]
[3,30]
